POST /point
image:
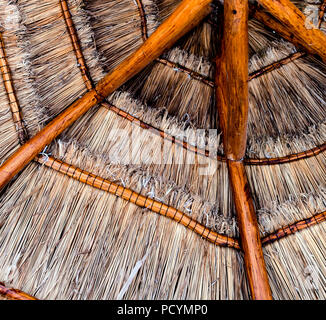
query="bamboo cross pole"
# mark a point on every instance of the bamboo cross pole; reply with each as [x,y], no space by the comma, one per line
[186,16]
[297,25]
[232,102]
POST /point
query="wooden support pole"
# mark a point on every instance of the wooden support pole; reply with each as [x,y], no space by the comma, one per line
[295,22]
[249,232]
[232,102]
[270,22]
[232,78]
[186,16]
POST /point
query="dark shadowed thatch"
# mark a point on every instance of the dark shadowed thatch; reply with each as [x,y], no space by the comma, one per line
[61,238]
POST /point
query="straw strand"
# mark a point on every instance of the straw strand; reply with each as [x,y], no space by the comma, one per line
[248,161]
[140,200]
[276,65]
[75,43]
[294,227]
[195,75]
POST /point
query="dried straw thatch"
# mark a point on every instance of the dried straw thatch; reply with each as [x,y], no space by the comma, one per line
[83,221]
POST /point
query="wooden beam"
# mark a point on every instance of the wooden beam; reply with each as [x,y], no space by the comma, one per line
[232,102]
[272,23]
[14,294]
[232,78]
[249,233]
[296,23]
[186,16]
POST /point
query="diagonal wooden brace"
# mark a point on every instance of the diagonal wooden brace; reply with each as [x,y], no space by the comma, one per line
[296,25]
[186,16]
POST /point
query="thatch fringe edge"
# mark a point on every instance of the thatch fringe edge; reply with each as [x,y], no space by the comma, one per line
[138,199]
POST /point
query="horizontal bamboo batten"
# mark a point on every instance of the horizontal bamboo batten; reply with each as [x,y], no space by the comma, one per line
[9,87]
[193,74]
[205,152]
[294,228]
[276,65]
[139,200]
[12,98]
[187,15]
[14,294]
[211,236]
[295,23]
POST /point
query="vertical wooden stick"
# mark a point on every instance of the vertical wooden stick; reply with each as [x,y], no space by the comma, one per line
[249,232]
[232,99]
[232,78]
[311,38]
[187,15]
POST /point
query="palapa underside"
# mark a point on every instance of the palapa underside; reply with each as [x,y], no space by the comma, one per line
[83,221]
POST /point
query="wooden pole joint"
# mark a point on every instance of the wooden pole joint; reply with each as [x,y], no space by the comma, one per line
[233,104]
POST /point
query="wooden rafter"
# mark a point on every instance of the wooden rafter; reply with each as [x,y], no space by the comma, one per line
[186,16]
[232,101]
[14,294]
[299,30]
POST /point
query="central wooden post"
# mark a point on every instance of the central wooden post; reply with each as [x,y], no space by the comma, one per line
[232,102]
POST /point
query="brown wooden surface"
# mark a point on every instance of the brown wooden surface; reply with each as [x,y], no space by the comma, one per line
[232,79]
[14,294]
[232,102]
[272,23]
[249,233]
[295,23]
[187,15]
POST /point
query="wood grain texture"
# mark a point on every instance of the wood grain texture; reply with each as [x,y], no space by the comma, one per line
[14,294]
[232,103]
[249,233]
[297,26]
[232,79]
[187,15]
[322,10]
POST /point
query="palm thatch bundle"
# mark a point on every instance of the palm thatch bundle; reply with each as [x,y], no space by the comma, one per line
[134,200]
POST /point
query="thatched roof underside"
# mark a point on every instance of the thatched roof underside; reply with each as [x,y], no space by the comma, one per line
[61,238]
